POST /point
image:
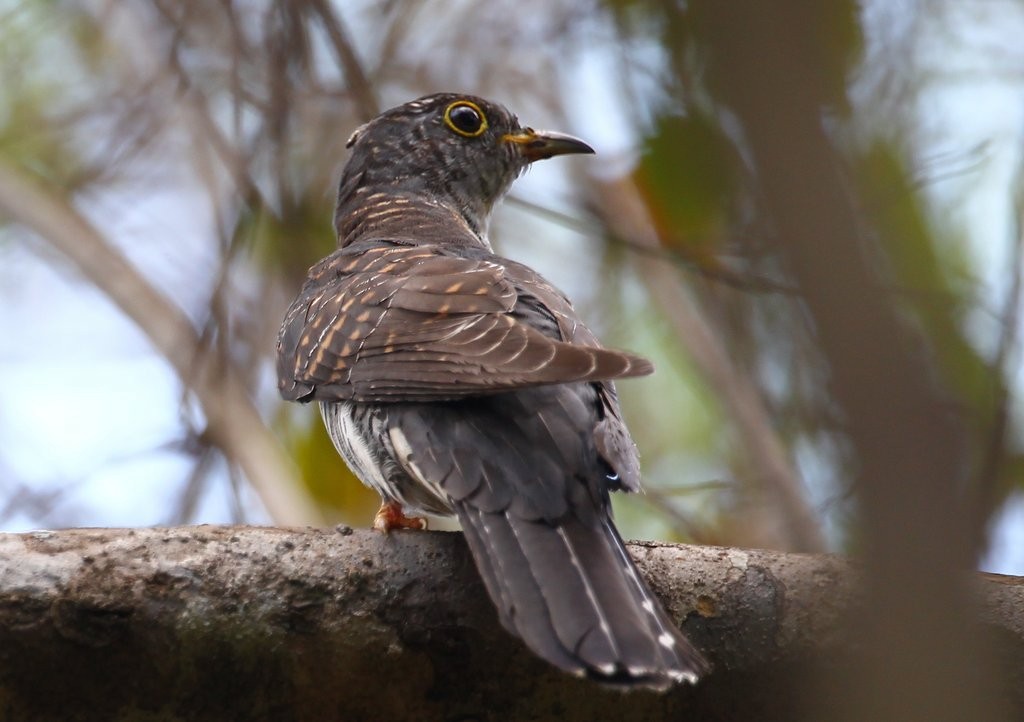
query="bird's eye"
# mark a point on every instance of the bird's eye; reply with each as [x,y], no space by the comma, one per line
[465,118]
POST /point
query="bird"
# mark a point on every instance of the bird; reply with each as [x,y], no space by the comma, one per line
[454,381]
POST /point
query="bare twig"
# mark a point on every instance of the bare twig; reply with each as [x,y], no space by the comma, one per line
[188,500]
[232,421]
[355,77]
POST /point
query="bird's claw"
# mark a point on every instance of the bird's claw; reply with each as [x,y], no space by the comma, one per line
[390,516]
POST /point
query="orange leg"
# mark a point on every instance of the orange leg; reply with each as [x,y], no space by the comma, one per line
[390,516]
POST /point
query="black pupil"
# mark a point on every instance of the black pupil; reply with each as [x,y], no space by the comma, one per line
[465,119]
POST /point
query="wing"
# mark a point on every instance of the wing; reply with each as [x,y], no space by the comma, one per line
[379,322]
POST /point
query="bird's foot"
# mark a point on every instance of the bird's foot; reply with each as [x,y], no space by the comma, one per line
[390,516]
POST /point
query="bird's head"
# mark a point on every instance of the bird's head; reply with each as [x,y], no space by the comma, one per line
[459,150]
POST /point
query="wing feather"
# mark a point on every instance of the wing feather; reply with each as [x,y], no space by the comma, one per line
[385,322]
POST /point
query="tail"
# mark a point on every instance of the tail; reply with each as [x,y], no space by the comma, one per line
[571,592]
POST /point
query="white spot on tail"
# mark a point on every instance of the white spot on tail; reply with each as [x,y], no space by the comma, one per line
[683,676]
[666,640]
[648,606]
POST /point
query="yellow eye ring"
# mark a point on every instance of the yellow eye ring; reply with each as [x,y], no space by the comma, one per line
[465,118]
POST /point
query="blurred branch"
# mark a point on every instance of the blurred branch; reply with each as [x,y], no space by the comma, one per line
[660,501]
[233,423]
[625,214]
[675,255]
[357,625]
[990,481]
[199,121]
[188,499]
[771,64]
[359,85]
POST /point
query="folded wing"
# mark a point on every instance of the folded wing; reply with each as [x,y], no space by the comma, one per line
[382,322]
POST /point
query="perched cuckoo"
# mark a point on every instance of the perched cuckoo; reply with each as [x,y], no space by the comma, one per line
[455,381]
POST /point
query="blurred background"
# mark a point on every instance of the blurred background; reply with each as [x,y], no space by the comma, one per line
[167,174]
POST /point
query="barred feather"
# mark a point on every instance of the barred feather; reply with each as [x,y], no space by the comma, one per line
[452,380]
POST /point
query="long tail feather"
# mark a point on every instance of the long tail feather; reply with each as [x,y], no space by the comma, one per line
[571,592]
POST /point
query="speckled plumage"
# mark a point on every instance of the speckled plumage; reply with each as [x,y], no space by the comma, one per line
[456,381]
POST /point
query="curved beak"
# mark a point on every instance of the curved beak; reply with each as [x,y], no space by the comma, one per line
[541,144]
